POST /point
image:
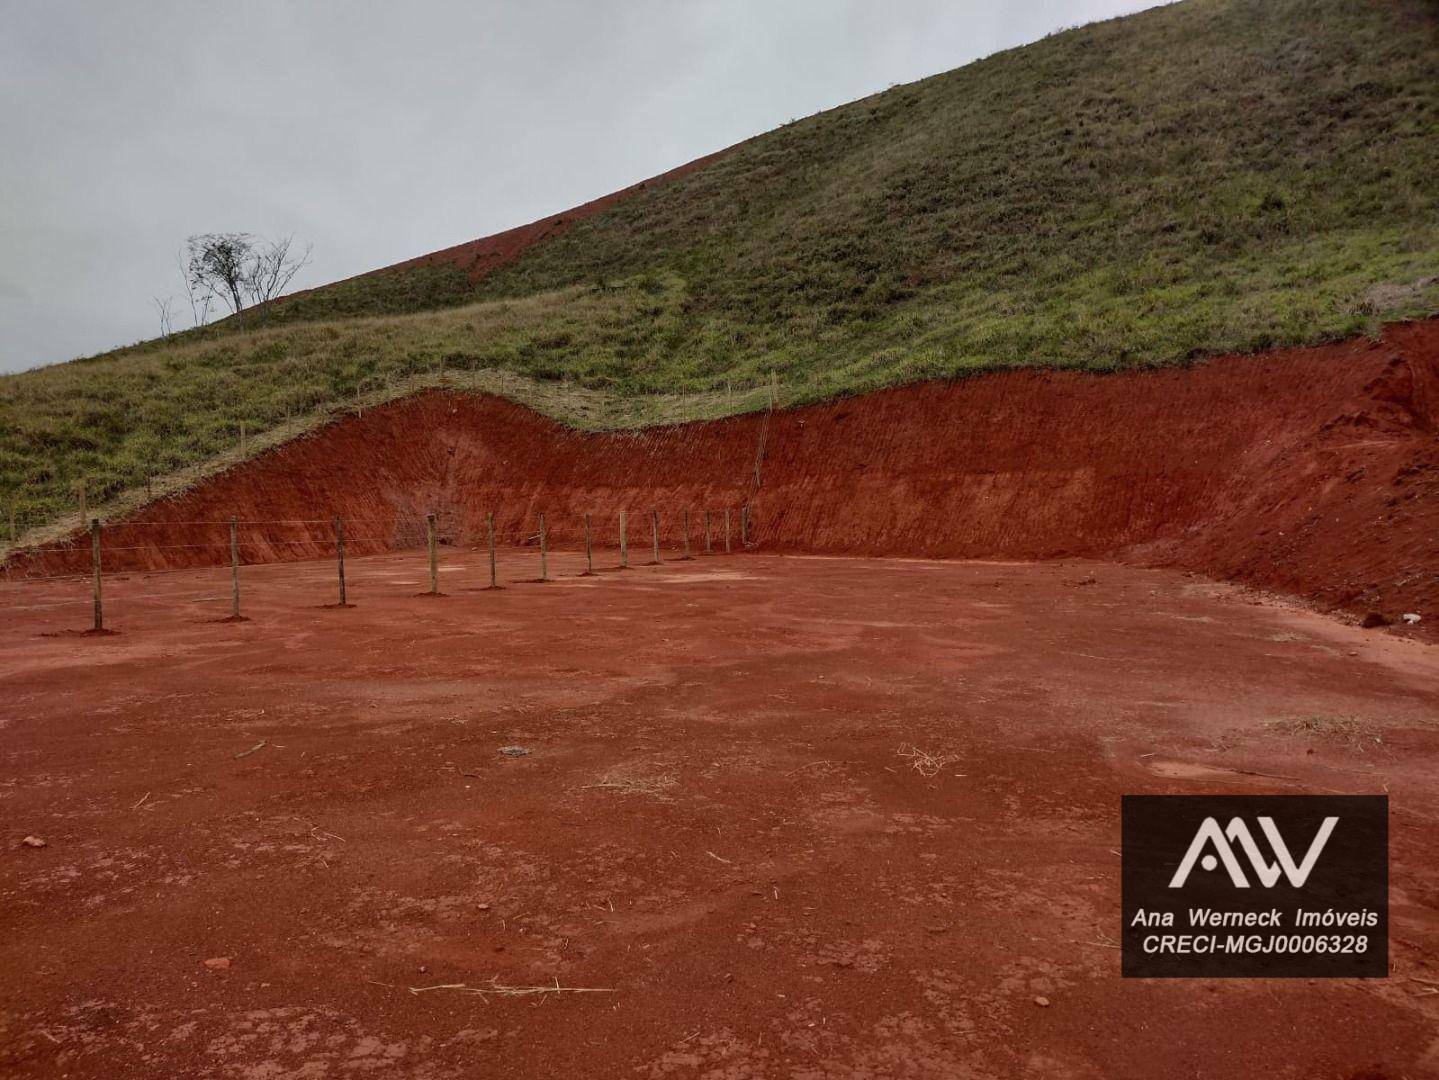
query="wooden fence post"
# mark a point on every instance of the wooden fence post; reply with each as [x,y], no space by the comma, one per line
[434,555]
[234,568]
[624,544]
[744,525]
[589,548]
[95,568]
[340,556]
[687,554]
[544,555]
[655,533]
[726,531]
[709,547]
[490,531]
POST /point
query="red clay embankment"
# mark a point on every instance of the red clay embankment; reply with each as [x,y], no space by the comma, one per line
[1309,471]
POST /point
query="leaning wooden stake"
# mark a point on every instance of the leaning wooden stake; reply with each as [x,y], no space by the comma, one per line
[589,548]
[234,569]
[490,531]
[95,567]
[726,531]
[744,525]
[655,532]
[686,555]
[709,547]
[544,554]
[340,556]
[624,543]
[434,555]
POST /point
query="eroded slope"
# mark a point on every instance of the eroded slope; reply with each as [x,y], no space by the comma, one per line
[1312,471]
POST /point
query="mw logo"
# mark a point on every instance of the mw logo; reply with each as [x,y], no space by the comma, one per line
[1237,832]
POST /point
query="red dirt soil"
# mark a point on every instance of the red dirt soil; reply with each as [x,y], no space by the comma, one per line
[1314,472]
[482,257]
[716,821]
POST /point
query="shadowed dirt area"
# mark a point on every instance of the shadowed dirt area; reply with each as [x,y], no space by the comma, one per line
[790,816]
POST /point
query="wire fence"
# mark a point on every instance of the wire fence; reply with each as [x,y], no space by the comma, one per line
[122,551]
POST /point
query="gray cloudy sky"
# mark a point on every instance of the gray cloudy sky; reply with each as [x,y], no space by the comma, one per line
[383,130]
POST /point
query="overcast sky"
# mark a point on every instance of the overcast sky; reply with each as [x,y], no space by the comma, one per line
[379,131]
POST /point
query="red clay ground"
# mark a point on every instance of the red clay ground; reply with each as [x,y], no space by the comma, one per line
[714,823]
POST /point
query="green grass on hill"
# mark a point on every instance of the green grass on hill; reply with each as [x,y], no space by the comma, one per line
[1215,176]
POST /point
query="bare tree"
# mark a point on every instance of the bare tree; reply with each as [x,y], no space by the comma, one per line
[200,301]
[218,264]
[241,269]
[166,310]
[273,264]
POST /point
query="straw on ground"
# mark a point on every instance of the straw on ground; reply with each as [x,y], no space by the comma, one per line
[655,786]
[923,762]
[495,988]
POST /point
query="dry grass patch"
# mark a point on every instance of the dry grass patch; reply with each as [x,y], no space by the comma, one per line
[654,786]
[1350,731]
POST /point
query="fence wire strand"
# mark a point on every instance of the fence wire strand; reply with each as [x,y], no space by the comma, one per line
[407,535]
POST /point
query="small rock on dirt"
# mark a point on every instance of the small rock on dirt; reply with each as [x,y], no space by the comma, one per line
[218,963]
[513,751]
[32,841]
[1410,617]
[1042,1002]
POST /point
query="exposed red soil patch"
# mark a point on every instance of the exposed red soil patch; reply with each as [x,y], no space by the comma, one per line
[1310,471]
[482,257]
[260,836]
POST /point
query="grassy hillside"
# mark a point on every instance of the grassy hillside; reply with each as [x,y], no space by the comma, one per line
[1215,176]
